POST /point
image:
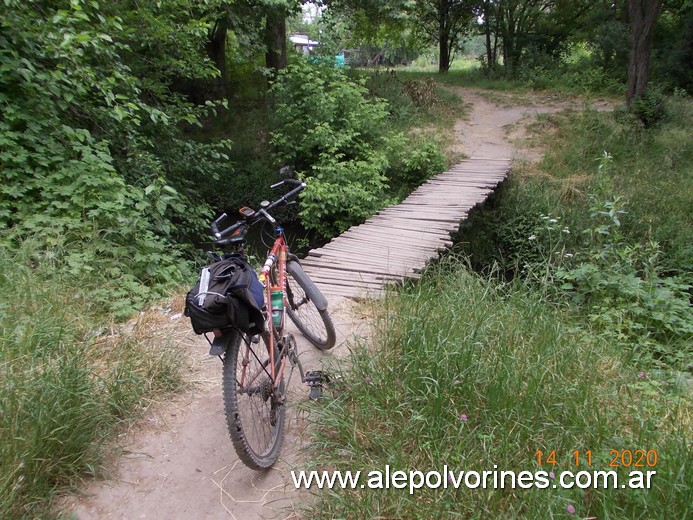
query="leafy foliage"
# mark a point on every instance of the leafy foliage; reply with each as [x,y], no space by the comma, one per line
[92,157]
[336,139]
[338,135]
[619,284]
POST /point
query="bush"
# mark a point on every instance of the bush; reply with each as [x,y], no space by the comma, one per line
[650,107]
[618,284]
[337,139]
[413,161]
[93,161]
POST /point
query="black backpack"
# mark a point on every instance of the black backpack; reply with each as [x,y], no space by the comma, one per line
[234,298]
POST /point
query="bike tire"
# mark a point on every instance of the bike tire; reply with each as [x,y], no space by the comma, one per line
[255,415]
[314,323]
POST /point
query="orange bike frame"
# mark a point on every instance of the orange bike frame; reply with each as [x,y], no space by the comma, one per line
[277,255]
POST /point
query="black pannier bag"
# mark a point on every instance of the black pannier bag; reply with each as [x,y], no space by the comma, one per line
[233,297]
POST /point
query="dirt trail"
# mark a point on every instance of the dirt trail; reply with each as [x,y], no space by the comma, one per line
[180,464]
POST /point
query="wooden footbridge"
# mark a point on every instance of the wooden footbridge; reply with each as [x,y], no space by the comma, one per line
[396,243]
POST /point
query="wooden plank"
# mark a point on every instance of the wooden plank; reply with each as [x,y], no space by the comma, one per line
[343,282]
[358,249]
[402,221]
[390,261]
[382,229]
[385,225]
[334,274]
[349,267]
[391,264]
[355,271]
[391,238]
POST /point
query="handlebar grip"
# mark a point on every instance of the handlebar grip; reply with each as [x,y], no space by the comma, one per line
[290,182]
[215,230]
[214,226]
[223,242]
[229,230]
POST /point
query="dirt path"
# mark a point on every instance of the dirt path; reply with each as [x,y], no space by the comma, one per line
[180,464]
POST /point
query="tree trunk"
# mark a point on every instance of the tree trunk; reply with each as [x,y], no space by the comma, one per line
[490,52]
[275,40]
[444,53]
[443,36]
[643,15]
[216,50]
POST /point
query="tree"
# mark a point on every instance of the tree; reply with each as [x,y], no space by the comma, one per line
[444,22]
[275,38]
[93,154]
[643,16]
[543,25]
[372,25]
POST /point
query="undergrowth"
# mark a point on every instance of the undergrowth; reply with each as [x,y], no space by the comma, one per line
[576,335]
[474,374]
[66,384]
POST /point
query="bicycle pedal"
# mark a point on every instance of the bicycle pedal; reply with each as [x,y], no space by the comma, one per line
[315,379]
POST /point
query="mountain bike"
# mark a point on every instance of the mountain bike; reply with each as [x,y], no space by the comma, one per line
[255,368]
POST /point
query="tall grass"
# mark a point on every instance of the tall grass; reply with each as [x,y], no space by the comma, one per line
[471,373]
[64,388]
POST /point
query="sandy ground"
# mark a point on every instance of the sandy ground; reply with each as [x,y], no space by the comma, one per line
[179,462]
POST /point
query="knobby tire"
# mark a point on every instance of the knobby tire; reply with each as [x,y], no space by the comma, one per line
[254,415]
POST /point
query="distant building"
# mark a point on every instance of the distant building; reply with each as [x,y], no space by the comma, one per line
[303,43]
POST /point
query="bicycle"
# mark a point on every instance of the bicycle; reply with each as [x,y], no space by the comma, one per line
[254,368]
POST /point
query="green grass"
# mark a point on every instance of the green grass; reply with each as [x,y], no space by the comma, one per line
[525,376]
[65,385]
[599,154]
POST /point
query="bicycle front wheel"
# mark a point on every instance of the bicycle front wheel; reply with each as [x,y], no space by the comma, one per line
[314,323]
[254,406]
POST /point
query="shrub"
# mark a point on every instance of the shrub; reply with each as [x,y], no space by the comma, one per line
[413,161]
[92,156]
[622,287]
[617,283]
[336,138]
[650,107]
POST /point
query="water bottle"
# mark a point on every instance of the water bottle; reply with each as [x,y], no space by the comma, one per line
[277,307]
[204,286]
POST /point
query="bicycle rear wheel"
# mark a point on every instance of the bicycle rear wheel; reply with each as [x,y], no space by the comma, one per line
[255,410]
[315,323]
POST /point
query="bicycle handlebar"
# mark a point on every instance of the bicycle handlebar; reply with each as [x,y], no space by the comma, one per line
[222,237]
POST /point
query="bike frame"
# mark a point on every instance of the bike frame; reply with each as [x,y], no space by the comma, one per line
[276,256]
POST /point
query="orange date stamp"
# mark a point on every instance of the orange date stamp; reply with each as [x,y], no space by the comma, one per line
[616,458]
